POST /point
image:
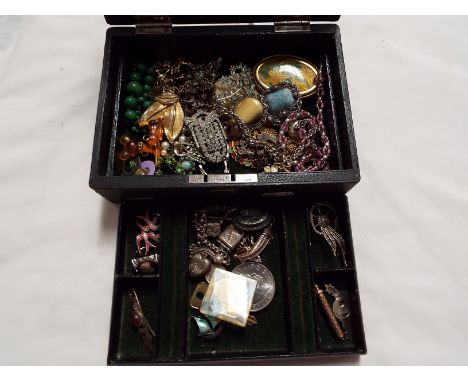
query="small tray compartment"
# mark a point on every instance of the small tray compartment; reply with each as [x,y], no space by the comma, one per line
[343,280]
[126,241]
[271,336]
[126,345]
[321,254]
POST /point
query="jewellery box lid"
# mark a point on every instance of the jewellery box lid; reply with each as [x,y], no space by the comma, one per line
[209,19]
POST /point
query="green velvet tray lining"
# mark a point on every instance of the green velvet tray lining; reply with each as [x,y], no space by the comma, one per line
[296,329]
[271,335]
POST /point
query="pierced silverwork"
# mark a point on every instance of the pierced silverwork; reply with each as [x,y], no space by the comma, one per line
[323,219]
[209,136]
[230,89]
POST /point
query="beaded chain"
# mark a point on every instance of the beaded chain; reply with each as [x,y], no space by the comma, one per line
[307,128]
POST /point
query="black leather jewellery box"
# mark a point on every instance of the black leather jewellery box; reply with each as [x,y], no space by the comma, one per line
[295,324]
[201,38]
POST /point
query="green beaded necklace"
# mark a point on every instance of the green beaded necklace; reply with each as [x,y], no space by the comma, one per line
[139,95]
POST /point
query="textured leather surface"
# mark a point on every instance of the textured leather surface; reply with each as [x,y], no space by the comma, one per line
[408,86]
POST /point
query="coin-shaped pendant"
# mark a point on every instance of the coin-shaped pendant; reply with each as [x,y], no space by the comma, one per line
[341,308]
[265,290]
[252,219]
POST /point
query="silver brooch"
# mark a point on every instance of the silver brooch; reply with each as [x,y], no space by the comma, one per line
[209,136]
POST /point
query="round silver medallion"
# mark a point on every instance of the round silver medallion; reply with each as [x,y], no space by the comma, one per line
[252,219]
[265,290]
[341,308]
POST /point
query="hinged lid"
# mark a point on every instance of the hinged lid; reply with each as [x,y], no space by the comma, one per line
[153,24]
[291,23]
[163,24]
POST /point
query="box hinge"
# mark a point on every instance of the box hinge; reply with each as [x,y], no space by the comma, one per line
[291,24]
[156,24]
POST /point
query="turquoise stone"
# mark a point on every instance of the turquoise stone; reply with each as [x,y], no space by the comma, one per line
[279,101]
[204,328]
[187,166]
[213,321]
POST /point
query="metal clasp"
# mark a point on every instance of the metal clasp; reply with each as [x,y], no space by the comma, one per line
[291,23]
[151,25]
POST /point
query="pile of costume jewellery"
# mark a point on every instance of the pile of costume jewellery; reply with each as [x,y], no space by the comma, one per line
[183,118]
[227,256]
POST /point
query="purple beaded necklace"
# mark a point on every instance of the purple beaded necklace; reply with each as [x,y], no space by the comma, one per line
[307,127]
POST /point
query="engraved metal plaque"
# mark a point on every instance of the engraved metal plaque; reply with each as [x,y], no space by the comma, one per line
[218,178]
[231,236]
[196,178]
[246,178]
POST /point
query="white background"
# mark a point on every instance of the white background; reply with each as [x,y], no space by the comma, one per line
[408,86]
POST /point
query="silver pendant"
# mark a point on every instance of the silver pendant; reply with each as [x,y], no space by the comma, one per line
[231,237]
[216,255]
[199,265]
